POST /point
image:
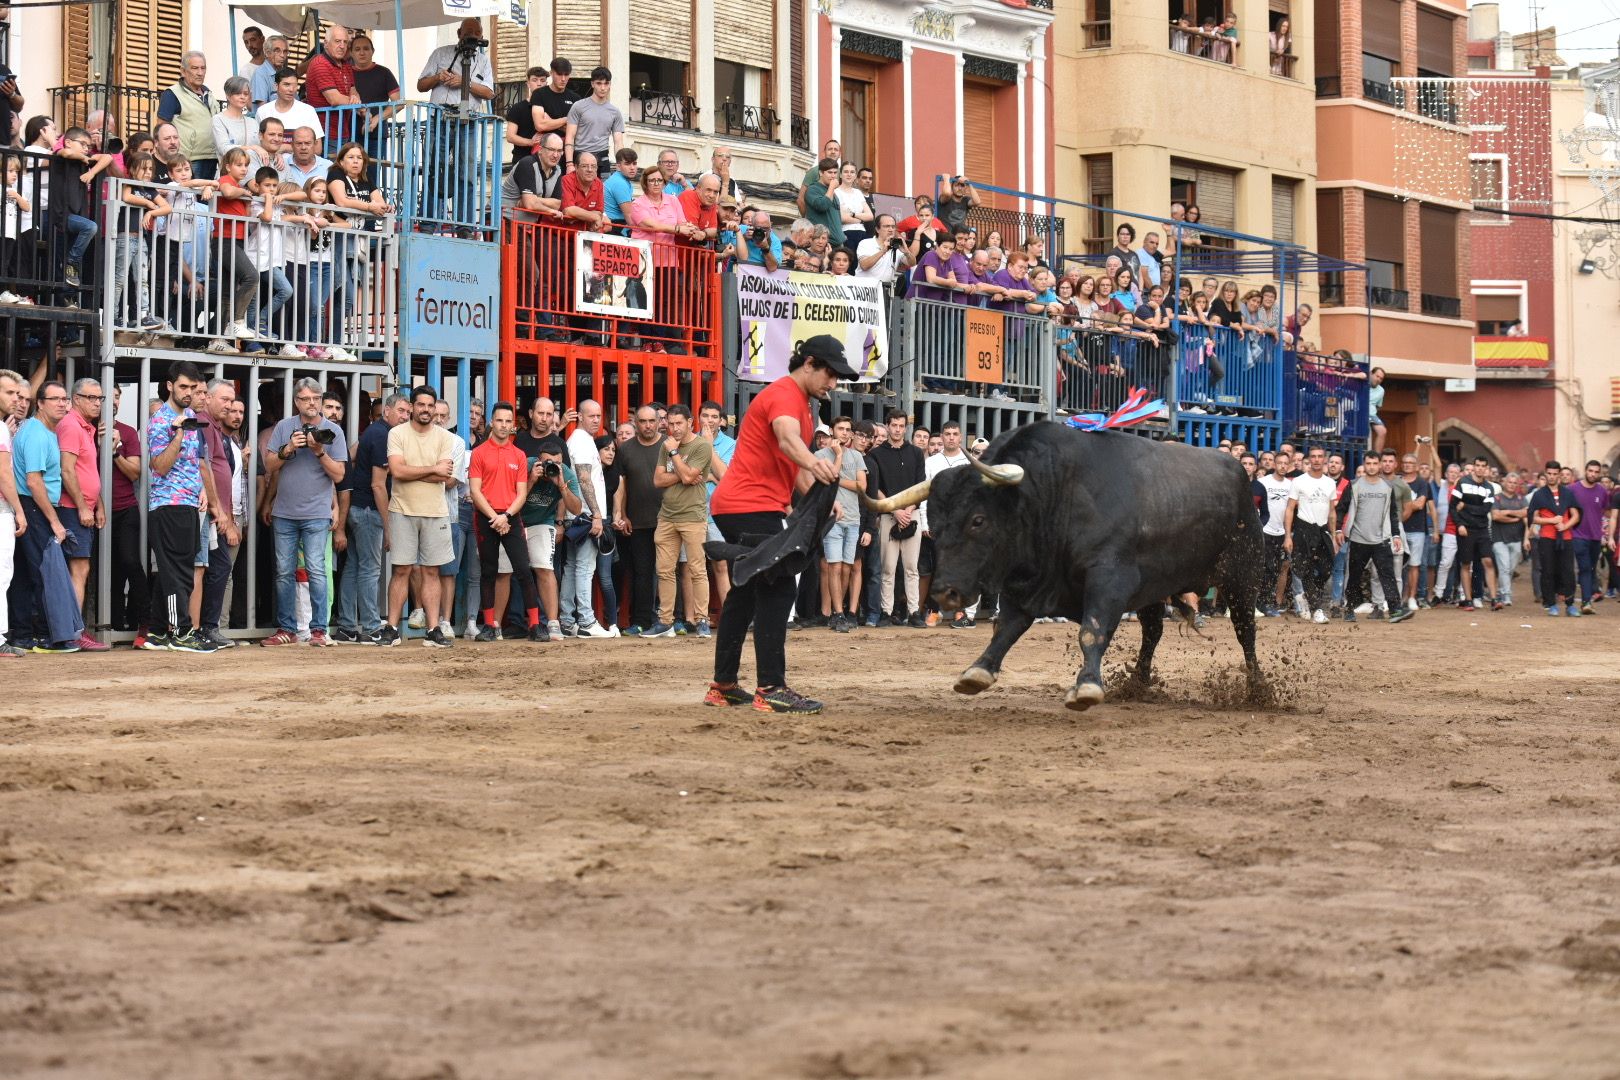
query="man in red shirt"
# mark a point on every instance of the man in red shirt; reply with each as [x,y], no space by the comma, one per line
[771,461]
[80,508]
[330,81]
[582,202]
[498,479]
[701,204]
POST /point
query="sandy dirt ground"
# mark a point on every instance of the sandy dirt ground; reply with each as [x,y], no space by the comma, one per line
[524,861]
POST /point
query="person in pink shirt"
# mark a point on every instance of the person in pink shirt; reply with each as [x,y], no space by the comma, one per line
[660,218]
[80,508]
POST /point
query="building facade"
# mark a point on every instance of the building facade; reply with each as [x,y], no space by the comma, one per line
[1392,193]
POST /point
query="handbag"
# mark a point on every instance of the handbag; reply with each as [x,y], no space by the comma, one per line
[903,532]
[579,528]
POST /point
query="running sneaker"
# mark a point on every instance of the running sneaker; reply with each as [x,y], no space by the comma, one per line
[56,647]
[341,636]
[1552,609]
[633,631]
[539,632]
[89,644]
[1411,603]
[434,639]
[1349,615]
[192,642]
[1586,608]
[388,635]
[703,628]
[727,694]
[1364,608]
[1466,605]
[1319,616]
[659,630]
[554,628]
[782,699]
[1199,622]
[280,637]
[596,630]
[1401,615]
[319,640]
[487,633]
[157,641]
[1497,605]
[418,620]
[446,629]
[218,638]
[569,629]
[1572,611]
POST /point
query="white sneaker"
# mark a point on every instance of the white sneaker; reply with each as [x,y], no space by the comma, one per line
[418,620]
[1364,608]
[220,345]
[1318,616]
[9,297]
[554,628]
[597,630]
[241,331]
[446,629]
[472,630]
[291,352]
[342,355]
[1300,608]
[1411,603]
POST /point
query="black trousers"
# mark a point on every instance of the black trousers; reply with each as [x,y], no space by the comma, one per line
[129,571]
[171,533]
[763,603]
[490,544]
[1557,565]
[638,551]
[1313,561]
[214,581]
[1383,560]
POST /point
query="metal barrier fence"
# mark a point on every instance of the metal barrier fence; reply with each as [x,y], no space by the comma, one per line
[1100,363]
[1222,368]
[541,292]
[1326,400]
[621,380]
[939,338]
[440,170]
[285,286]
[126,109]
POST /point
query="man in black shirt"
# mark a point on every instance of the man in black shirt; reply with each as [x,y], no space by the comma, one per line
[549,105]
[1472,501]
[520,118]
[635,513]
[892,467]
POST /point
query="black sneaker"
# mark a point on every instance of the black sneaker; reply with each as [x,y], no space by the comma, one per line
[193,642]
[1401,614]
[487,633]
[918,621]
[1349,615]
[781,699]
[435,639]
[155,642]
[967,623]
[388,635]
[341,636]
[539,632]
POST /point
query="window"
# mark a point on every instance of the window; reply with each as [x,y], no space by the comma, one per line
[1380,49]
[855,125]
[658,91]
[1280,39]
[740,96]
[1330,239]
[1099,192]
[1437,240]
[1283,192]
[1435,57]
[1488,186]
[1326,28]
[1386,253]
[1098,27]
[1212,189]
[1498,309]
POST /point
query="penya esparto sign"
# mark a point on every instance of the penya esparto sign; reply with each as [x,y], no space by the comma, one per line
[613,275]
[777,309]
[449,297]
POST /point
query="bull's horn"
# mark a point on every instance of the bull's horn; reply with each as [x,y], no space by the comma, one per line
[913,495]
[999,475]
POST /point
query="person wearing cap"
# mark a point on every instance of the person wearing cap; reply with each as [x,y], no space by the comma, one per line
[551,102]
[771,462]
[979,446]
[595,125]
[956,197]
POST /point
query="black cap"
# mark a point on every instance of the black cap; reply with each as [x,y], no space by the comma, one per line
[830,351]
[601,73]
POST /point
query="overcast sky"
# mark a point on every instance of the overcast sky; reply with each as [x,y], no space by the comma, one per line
[1587,29]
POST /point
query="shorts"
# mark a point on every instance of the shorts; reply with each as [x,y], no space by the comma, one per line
[207,538]
[542,541]
[1475,548]
[419,541]
[83,535]
[925,557]
[1416,543]
[458,547]
[841,542]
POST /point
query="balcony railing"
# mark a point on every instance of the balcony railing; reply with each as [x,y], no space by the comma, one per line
[1099,35]
[1383,92]
[176,280]
[1325,398]
[1436,103]
[1192,41]
[1019,229]
[1389,299]
[748,121]
[1445,307]
[664,108]
[1329,86]
[127,109]
[1282,64]
[1218,368]
[1330,288]
[801,132]
[34,242]
[439,170]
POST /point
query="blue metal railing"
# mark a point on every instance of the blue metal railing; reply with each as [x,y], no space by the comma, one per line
[1098,367]
[1327,398]
[1218,367]
[440,170]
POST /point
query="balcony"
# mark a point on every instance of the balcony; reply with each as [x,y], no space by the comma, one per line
[1435,103]
[1191,41]
[127,109]
[664,108]
[1282,65]
[1330,289]
[741,121]
[1325,399]
[1329,86]
[1445,307]
[1098,35]
[1389,299]
[801,132]
[1382,92]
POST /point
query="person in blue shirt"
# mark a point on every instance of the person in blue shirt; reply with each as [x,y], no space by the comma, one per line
[757,242]
[620,186]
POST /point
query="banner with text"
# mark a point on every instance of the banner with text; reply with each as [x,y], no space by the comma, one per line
[448,296]
[777,309]
[613,275]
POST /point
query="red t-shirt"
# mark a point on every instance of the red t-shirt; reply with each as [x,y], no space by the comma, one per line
[240,209]
[327,74]
[704,217]
[760,478]
[575,194]
[499,470]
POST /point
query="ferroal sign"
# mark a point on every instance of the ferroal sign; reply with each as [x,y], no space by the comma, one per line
[450,297]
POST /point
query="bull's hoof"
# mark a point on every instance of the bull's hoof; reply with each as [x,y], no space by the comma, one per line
[1082,697]
[974,680]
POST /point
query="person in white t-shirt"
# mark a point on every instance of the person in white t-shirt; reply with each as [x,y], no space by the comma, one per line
[880,255]
[1310,526]
[578,617]
[286,107]
[12,385]
[1278,487]
[950,456]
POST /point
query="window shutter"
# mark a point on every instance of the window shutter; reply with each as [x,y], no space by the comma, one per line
[511,51]
[1282,209]
[1496,309]
[579,35]
[151,35]
[1434,42]
[1381,28]
[744,33]
[1100,178]
[662,29]
[1326,30]
[1330,222]
[796,47]
[1217,198]
[1386,229]
[78,66]
[1438,240]
[979,132]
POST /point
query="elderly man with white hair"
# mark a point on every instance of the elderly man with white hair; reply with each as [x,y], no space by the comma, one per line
[189,108]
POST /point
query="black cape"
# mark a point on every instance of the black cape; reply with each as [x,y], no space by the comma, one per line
[784,554]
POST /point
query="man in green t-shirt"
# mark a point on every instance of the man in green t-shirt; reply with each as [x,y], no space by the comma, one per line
[554,497]
[683,521]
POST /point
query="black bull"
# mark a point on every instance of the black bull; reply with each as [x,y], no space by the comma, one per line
[1088,526]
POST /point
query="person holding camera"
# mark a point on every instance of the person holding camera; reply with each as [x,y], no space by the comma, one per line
[758,243]
[883,256]
[421,460]
[553,496]
[305,460]
[459,78]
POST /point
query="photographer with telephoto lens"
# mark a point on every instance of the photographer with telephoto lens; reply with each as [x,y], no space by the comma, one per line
[306,458]
[882,256]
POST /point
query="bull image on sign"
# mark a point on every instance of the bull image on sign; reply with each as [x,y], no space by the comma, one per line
[1088,526]
[613,275]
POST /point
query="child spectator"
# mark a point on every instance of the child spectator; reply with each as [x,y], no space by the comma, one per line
[237,278]
[174,239]
[18,220]
[143,206]
[317,273]
[266,244]
[75,167]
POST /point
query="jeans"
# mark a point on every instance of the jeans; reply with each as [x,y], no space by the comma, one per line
[129,252]
[81,230]
[1340,563]
[274,290]
[1508,557]
[610,593]
[215,579]
[308,535]
[1586,562]
[321,281]
[574,598]
[362,573]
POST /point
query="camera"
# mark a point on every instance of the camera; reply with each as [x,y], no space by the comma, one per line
[471,45]
[550,470]
[759,234]
[320,435]
[191,423]
[895,243]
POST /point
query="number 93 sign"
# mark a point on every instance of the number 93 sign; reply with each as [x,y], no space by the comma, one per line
[983,342]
